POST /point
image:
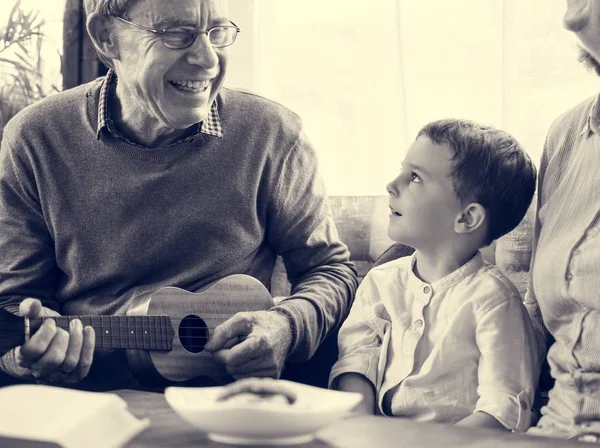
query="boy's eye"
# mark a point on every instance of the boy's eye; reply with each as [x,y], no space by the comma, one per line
[414,177]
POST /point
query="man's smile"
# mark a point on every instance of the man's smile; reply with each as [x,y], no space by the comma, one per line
[194,86]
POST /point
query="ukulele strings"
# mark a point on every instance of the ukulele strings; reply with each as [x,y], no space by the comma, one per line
[107,324]
[174,320]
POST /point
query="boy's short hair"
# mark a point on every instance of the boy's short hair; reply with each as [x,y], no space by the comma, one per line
[489,167]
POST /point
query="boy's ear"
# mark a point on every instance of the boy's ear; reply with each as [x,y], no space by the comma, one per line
[471,218]
[101,31]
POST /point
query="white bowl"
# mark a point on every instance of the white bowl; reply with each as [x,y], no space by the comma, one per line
[250,424]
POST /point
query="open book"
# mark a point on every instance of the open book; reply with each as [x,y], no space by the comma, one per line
[65,417]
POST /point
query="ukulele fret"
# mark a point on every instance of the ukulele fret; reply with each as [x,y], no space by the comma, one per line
[115,335]
[162,333]
[152,322]
[128,332]
[145,339]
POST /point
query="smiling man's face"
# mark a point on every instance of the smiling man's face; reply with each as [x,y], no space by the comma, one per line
[170,88]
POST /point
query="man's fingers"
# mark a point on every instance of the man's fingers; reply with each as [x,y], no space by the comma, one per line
[239,325]
[251,367]
[30,308]
[87,355]
[249,349]
[56,376]
[33,308]
[64,371]
[37,345]
[74,350]
[54,356]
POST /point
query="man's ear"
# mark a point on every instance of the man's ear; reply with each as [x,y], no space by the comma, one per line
[578,14]
[101,33]
[471,218]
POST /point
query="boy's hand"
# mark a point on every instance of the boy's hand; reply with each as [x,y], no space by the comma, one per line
[52,354]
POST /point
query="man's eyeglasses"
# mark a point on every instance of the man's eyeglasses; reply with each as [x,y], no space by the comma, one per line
[180,37]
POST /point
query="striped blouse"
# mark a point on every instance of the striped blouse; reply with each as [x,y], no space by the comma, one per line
[564,291]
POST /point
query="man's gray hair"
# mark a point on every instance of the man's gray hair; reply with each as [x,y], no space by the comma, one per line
[106,8]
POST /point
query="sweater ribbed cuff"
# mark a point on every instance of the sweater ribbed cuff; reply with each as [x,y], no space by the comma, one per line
[9,366]
[302,315]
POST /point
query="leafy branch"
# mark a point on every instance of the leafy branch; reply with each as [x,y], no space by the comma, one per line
[21,63]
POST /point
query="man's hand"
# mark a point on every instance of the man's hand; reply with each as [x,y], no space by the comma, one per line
[252,344]
[52,354]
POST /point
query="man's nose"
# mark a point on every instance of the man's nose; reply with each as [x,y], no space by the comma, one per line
[202,53]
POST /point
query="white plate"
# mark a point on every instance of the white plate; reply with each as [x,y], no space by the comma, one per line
[265,424]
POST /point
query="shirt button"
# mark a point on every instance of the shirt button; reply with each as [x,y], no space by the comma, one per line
[418,323]
[426,289]
[569,276]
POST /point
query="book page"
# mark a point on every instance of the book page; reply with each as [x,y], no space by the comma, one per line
[71,418]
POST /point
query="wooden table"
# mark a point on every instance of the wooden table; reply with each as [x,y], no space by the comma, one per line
[167,429]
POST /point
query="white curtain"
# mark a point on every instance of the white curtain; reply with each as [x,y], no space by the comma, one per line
[366,76]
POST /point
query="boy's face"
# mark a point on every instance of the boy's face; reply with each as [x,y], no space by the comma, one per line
[422,202]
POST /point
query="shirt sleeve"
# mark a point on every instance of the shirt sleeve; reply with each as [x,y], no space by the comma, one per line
[359,342]
[301,229]
[27,264]
[508,368]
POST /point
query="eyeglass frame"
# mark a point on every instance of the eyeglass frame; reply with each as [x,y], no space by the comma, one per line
[162,32]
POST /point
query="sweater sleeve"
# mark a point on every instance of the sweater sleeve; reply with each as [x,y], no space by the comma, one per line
[27,265]
[301,229]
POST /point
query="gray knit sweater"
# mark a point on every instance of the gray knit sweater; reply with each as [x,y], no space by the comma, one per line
[88,223]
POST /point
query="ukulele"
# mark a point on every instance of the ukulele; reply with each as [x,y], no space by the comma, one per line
[164,332]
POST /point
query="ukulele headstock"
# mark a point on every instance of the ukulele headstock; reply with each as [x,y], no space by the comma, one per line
[12,331]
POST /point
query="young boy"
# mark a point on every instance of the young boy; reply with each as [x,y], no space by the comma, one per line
[443,335]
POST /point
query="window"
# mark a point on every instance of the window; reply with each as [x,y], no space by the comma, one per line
[366,76]
[48,14]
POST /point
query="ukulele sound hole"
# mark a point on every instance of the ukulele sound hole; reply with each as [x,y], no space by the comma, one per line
[193,333]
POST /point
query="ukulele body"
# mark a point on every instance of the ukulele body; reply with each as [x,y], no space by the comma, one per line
[193,315]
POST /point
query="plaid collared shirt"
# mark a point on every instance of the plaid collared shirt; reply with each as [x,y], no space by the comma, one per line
[210,126]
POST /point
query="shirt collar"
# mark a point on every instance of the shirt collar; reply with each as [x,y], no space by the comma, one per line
[444,283]
[210,126]
[592,121]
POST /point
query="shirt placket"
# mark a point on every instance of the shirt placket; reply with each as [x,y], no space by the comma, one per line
[410,341]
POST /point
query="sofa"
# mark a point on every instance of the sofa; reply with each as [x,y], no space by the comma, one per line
[362,224]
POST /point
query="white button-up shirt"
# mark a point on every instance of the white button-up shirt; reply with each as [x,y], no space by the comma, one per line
[441,351]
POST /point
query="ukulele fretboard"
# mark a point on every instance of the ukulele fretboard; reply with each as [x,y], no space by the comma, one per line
[133,332]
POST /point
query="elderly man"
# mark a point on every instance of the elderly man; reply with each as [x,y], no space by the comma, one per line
[564,291]
[157,175]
